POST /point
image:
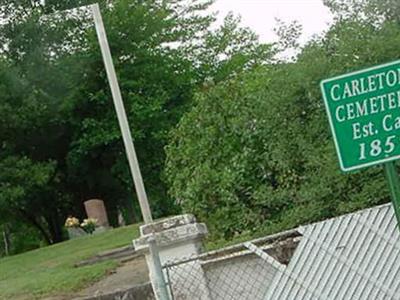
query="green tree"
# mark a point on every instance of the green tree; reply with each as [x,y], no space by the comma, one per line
[370,11]
[255,152]
[159,72]
[56,108]
[26,191]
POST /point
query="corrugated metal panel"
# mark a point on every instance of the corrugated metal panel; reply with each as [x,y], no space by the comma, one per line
[353,257]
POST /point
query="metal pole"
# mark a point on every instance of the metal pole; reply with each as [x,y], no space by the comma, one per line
[160,287]
[394,187]
[122,119]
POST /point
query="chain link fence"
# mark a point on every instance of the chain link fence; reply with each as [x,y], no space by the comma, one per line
[238,273]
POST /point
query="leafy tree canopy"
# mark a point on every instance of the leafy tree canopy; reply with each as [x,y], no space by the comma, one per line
[255,152]
[61,144]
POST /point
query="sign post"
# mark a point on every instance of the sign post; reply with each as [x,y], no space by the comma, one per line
[394,186]
[363,109]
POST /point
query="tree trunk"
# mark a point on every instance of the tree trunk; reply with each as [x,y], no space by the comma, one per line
[32,220]
[55,228]
[6,239]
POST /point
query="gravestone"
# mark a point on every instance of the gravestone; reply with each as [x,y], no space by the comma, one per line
[95,209]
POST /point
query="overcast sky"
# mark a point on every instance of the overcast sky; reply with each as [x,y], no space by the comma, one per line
[260,15]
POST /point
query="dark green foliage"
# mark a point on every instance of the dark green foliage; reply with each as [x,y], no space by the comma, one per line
[252,150]
[60,140]
[20,238]
[256,153]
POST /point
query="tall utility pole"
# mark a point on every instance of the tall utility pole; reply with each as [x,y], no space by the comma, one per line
[160,287]
[121,114]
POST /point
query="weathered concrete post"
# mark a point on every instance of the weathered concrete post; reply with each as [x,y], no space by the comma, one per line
[176,238]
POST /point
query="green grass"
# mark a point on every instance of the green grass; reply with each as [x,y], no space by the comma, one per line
[50,270]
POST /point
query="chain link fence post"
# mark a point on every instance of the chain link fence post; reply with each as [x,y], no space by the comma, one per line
[160,286]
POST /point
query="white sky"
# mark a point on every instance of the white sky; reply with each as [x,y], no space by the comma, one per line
[260,15]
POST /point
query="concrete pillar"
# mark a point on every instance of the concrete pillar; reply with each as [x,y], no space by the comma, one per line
[95,209]
[176,238]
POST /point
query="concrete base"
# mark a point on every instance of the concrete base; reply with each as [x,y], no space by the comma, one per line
[75,232]
[176,238]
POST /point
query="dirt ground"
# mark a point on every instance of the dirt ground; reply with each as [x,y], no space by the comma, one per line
[129,274]
[132,273]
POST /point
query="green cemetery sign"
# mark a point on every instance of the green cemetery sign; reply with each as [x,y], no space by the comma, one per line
[364,113]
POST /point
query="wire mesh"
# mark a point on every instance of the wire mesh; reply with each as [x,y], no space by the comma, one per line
[238,276]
